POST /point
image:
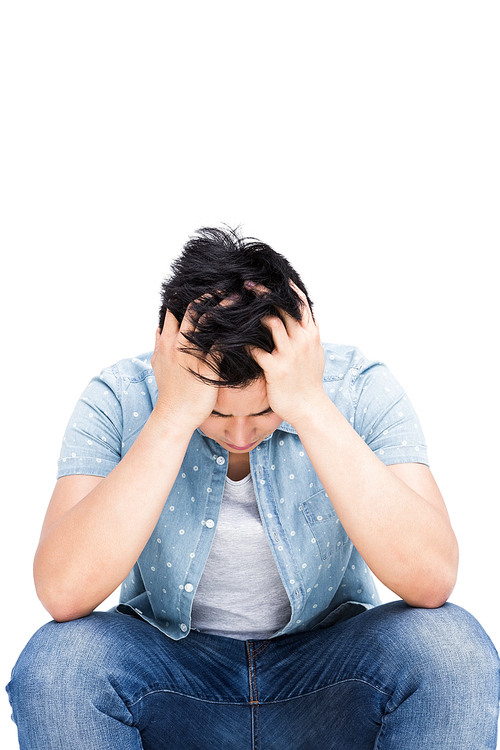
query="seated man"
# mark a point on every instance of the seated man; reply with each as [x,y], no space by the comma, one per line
[240,483]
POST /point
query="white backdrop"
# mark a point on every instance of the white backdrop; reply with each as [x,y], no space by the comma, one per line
[359,139]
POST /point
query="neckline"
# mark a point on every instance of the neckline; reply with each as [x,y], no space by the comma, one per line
[239,482]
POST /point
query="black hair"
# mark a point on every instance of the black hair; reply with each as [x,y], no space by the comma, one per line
[214,266]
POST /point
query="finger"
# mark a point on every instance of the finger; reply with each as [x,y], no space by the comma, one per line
[191,316]
[280,330]
[170,325]
[165,334]
[230,300]
[307,316]
[195,360]
[264,359]
[290,323]
[157,345]
[259,289]
[200,308]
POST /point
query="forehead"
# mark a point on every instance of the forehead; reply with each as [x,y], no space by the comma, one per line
[242,402]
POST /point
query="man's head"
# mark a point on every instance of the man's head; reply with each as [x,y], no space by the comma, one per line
[213,268]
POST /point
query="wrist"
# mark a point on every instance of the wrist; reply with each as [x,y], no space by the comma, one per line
[166,422]
[308,411]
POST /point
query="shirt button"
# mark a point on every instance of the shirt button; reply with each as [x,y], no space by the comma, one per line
[183,627]
[210,523]
[221,460]
[188,587]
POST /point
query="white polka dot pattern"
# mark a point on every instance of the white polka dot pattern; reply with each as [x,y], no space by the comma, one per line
[316,561]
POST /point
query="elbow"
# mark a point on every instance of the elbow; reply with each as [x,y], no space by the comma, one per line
[430,586]
[434,591]
[61,608]
[68,616]
[63,611]
[431,600]
[61,604]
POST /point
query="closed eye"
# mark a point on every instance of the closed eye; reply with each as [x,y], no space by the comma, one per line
[260,414]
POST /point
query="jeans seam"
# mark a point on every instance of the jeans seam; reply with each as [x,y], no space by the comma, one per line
[253,701]
[253,695]
[326,687]
[258,651]
[380,734]
[183,695]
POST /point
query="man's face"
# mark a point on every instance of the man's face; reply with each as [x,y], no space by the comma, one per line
[241,418]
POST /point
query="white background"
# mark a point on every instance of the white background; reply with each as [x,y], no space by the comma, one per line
[359,139]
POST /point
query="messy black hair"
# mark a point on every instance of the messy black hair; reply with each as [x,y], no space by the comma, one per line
[213,267]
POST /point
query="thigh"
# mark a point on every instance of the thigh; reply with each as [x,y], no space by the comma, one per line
[110,680]
[379,680]
[376,681]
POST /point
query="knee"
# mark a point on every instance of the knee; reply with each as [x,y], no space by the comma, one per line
[448,643]
[57,659]
[454,636]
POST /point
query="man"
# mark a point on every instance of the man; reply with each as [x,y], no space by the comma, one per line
[241,483]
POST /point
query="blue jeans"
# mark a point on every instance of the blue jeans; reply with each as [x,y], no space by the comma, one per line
[391,678]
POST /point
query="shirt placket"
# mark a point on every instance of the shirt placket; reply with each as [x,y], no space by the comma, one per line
[267,500]
[212,486]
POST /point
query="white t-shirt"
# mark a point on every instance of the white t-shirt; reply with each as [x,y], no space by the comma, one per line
[240,594]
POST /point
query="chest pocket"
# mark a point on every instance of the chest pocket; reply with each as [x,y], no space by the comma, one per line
[324,524]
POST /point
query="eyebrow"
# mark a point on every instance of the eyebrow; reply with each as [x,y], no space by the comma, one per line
[260,414]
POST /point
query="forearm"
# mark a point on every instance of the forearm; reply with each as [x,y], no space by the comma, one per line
[91,548]
[406,540]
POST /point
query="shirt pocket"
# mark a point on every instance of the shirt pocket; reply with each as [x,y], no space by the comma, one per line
[324,524]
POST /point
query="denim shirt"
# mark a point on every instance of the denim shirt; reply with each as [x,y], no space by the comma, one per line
[325,578]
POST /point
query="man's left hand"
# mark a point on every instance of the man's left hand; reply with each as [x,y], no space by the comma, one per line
[294,369]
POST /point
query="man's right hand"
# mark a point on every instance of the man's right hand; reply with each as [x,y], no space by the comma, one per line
[96,528]
[181,395]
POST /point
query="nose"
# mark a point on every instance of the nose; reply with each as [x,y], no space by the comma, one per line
[241,432]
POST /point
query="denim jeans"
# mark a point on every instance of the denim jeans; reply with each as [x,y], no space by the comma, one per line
[391,678]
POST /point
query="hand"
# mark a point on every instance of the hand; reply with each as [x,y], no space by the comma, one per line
[294,369]
[181,395]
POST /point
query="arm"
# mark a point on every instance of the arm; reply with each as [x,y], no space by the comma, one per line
[395,516]
[95,529]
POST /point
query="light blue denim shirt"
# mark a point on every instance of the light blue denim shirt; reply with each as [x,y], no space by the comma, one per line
[325,578]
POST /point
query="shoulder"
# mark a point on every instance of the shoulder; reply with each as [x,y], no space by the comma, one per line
[127,372]
[359,379]
[343,360]
[131,369]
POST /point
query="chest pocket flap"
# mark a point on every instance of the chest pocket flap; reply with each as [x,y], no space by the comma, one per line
[324,524]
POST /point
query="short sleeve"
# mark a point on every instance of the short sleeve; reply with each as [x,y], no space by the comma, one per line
[92,443]
[385,418]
